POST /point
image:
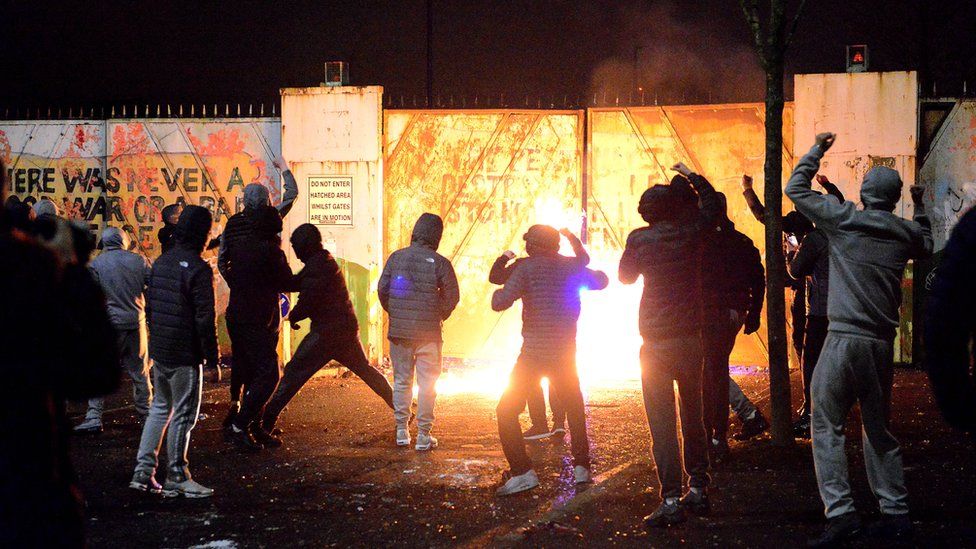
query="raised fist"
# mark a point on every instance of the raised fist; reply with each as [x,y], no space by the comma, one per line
[825,140]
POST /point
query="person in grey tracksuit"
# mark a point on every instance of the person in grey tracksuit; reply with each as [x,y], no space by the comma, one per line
[869,250]
[419,290]
[122,275]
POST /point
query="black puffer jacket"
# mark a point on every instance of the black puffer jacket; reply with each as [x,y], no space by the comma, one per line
[668,254]
[255,268]
[733,275]
[418,287]
[180,301]
[323,296]
[549,286]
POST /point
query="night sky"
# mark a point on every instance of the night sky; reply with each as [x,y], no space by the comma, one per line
[104,53]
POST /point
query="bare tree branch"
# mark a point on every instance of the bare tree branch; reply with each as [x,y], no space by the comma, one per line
[796,20]
[751,12]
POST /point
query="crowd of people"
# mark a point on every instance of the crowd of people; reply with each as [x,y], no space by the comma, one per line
[703,284]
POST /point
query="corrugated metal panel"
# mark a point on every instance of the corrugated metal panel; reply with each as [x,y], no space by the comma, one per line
[338,132]
[634,148]
[63,161]
[490,174]
[949,171]
[875,117]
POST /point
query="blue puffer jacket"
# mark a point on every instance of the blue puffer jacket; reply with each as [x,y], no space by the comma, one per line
[549,286]
[418,287]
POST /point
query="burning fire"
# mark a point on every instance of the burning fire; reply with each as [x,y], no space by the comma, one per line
[607,339]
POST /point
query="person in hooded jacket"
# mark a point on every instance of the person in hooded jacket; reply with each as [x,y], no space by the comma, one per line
[419,290]
[549,286]
[256,271]
[869,250]
[167,233]
[501,270]
[57,344]
[334,335]
[733,288]
[182,339]
[253,314]
[123,276]
[668,254]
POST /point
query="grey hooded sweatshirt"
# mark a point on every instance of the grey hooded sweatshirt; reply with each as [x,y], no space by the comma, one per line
[123,276]
[868,248]
[418,287]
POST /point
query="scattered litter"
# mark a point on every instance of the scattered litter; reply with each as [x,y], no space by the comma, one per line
[217,544]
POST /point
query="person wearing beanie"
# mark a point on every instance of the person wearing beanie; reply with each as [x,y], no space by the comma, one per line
[45,207]
[334,335]
[419,291]
[167,233]
[182,339]
[501,271]
[549,286]
[251,261]
[668,254]
[869,250]
[123,276]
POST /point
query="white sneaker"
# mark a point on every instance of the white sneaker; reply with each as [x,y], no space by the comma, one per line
[425,442]
[582,474]
[402,437]
[519,483]
[188,489]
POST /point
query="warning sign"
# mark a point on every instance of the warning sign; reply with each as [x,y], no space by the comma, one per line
[330,200]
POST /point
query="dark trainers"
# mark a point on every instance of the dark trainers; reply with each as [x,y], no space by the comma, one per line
[232,411]
[265,438]
[753,427]
[801,428]
[696,502]
[536,433]
[892,528]
[145,482]
[668,514]
[243,440]
[840,529]
[718,452]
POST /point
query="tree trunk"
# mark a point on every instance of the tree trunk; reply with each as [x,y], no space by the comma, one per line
[779,368]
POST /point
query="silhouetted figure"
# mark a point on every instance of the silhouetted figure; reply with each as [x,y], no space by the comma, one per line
[868,253]
[167,233]
[734,286]
[256,270]
[549,286]
[57,344]
[253,314]
[501,270]
[419,290]
[668,254]
[334,334]
[950,327]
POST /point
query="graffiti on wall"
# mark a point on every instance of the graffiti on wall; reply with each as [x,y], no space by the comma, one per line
[121,173]
[489,175]
[949,172]
[634,148]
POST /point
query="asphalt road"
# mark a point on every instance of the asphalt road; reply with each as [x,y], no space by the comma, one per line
[339,480]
